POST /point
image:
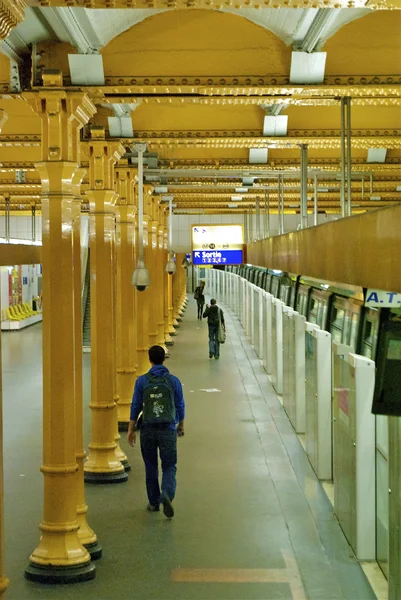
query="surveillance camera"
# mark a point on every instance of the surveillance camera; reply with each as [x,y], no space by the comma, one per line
[171,267]
[140,277]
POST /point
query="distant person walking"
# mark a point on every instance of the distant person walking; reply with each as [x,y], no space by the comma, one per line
[212,315]
[199,296]
[158,395]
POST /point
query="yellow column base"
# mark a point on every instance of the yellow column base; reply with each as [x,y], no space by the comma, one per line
[125,384]
[103,465]
[120,454]
[4,583]
[168,340]
[59,545]
[86,535]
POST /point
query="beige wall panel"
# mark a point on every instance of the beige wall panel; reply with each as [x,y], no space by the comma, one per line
[364,250]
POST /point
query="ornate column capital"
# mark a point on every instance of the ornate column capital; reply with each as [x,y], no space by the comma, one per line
[63,114]
[11,13]
[103,155]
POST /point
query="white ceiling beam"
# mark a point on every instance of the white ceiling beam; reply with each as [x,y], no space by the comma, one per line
[72,26]
[323,19]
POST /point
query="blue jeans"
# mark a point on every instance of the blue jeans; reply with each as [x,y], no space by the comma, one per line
[163,439]
[214,344]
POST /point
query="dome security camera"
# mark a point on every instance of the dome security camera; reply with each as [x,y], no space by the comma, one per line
[170,267]
[140,277]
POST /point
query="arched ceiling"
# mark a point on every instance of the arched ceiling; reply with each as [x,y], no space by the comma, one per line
[201,88]
[97,28]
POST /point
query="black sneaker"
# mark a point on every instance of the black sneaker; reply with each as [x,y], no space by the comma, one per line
[217,357]
[152,508]
[211,355]
[168,509]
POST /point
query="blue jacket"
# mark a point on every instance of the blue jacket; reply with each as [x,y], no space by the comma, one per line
[137,398]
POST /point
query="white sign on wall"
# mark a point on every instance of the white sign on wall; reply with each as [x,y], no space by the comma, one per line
[382,299]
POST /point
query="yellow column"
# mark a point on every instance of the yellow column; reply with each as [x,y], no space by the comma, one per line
[183,277]
[183,282]
[176,299]
[151,263]
[3,579]
[103,465]
[143,305]
[171,328]
[160,278]
[167,336]
[86,534]
[60,556]
[125,299]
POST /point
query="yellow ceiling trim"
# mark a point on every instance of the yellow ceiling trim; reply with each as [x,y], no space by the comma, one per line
[219,4]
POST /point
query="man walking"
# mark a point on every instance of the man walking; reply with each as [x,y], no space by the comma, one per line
[158,394]
[212,314]
[200,298]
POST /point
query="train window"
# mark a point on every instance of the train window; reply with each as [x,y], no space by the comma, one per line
[274,286]
[337,324]
[292,295]
[285,294]
[323,313]
[313,310]
[369,337]
[353,338]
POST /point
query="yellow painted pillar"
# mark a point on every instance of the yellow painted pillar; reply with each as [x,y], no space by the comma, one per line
[167,336]
[3,579]
[60,556]
[125,298]
[183,282]
[160,279]
[171,328]
[151,263]
[102,466]
[119,453]
[183,276]
[176,299]
[86,534]
[143,303]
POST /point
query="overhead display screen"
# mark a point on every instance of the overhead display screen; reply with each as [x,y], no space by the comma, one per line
[217,244]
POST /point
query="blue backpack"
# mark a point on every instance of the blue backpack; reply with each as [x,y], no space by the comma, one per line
[158,400]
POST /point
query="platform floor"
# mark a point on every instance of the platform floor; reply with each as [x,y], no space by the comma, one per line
[252,521]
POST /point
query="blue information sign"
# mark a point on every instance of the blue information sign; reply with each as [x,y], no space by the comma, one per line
[217,257]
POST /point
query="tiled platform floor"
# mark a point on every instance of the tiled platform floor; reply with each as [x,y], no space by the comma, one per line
[252,521]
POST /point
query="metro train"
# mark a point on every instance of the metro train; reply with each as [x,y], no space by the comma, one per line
[371,332]
[335,307]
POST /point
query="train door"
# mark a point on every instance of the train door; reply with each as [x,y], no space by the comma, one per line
[302,300]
